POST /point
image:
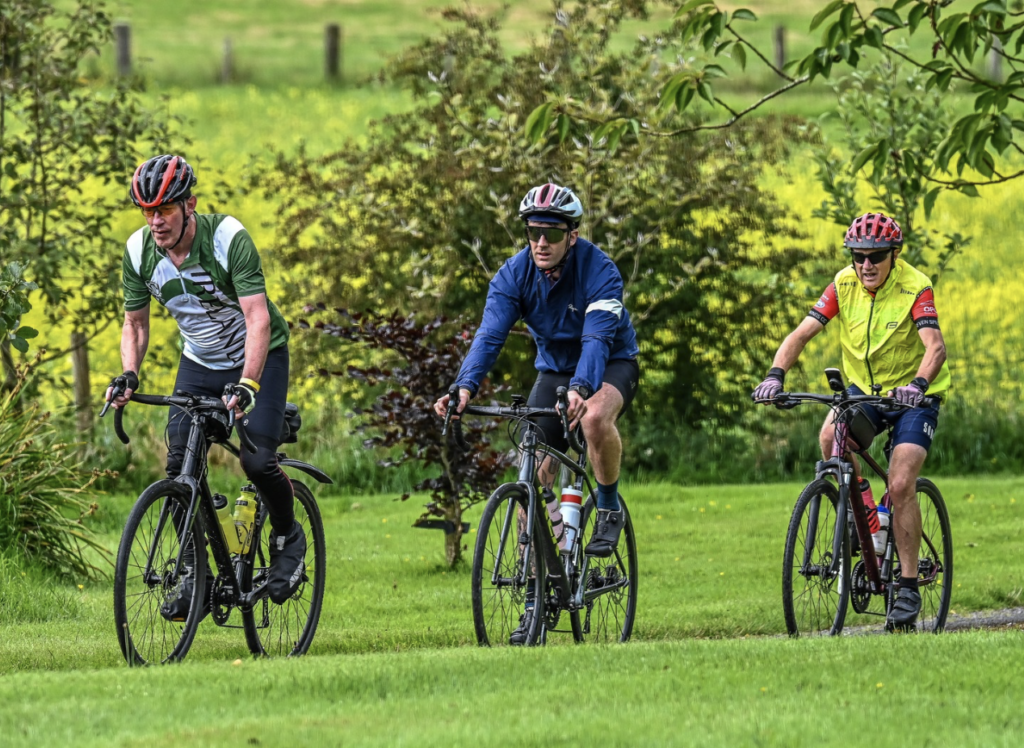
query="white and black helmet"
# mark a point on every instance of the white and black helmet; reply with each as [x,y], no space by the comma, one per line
[552,202]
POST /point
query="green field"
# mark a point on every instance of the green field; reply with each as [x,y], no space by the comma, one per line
[394,660]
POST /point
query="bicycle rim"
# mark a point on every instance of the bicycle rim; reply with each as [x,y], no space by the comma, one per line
[814,592]
[145,636]
[287,630]
[609,616]
[499,597]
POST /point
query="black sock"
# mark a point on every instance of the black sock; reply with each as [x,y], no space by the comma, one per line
[908,583]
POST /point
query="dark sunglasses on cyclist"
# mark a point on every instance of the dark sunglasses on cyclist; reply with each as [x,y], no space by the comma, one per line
[166,210]
[551,234]
[877,258]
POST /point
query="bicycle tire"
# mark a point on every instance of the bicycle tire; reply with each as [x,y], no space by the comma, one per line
[497,607]
[287,630]
[935,560]
[608,617]
[814,608]
[145,636]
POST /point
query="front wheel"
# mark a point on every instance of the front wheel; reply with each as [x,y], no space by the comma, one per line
[287,630]
[156,609]
[609,584]
[507,566]
[815,577]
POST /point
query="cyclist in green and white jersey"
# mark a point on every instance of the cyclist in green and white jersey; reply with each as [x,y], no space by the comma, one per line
[205,270]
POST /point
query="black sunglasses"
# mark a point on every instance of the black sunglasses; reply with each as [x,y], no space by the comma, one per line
[553,235]
[877,258]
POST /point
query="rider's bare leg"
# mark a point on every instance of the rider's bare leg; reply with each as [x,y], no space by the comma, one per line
[604,447]
[904,468]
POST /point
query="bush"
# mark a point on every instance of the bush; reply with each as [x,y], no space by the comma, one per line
[42,490]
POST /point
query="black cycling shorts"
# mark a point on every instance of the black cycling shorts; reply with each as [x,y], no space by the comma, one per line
[622,373]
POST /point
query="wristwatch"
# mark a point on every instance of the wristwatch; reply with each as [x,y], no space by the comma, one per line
[582,390]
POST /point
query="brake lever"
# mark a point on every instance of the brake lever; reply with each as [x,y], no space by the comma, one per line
[453,403]
[570,434]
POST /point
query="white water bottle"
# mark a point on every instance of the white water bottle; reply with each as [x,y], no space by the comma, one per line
[555,515]
[572,499]
[883,529]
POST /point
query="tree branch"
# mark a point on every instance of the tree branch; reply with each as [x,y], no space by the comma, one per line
[757,52]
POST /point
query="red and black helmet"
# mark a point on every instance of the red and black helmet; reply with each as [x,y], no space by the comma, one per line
[161,180]
[553,202]
[873,231]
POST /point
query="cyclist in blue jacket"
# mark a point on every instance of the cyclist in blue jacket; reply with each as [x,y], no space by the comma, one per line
[569,294]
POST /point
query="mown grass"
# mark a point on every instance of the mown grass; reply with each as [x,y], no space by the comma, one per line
[394,660]
[709,559]
[895,691]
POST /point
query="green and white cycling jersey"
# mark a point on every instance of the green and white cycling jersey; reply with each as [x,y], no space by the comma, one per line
[203,294]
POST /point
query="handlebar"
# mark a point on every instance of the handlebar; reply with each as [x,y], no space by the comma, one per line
[517,410]
[183,401]
[787,400]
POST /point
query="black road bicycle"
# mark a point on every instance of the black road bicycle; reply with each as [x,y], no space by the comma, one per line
[516,548]
[819,578]
[173,528]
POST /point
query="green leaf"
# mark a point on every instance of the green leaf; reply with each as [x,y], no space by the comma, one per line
[19,344]
[714,71]
[614,137]
[704,89]
[744,15]
[863,157]
[969,189]
[873,37]
[27,332]
[684,96]
[846,18]
[991,6]
[688,6]
[563,127]
[888,15]
[740,55]
[929,201]
[916,14]
[538,122]
[824,13]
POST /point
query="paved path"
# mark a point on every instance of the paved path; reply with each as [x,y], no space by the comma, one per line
[984,619]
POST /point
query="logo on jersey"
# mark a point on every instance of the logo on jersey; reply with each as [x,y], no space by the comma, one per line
[572,308]
[892,326]
[154,291]
[908,293]
[820,304]
[930,430]
[928,309]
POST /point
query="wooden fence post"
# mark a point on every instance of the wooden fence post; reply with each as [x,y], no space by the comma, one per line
[227,68]
[780,46]
[995,62]
[332,50]
[122,42]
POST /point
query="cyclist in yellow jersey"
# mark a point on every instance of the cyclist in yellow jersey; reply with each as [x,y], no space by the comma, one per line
[890,337]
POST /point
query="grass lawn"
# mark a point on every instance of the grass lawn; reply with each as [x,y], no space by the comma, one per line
[396,638]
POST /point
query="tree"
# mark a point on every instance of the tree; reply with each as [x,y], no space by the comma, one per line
[421,360]
[979,140]
[66,150]
[14,291]
[421,217]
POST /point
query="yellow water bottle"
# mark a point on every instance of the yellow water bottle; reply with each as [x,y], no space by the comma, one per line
[227,522]
[245,517]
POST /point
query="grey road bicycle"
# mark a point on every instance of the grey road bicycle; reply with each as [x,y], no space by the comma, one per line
[516,549]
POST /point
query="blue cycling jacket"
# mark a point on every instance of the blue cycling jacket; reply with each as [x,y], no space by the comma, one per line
[578,323]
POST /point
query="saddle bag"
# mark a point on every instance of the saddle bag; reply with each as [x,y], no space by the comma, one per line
[292,424]
[862,430]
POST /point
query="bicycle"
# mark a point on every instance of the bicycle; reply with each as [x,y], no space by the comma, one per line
[516,551]
[156,556]
[818,582]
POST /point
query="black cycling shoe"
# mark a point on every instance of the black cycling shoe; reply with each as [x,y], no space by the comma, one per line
[903,615]
[606,534]
[176,608]
[287,563]
[519,637]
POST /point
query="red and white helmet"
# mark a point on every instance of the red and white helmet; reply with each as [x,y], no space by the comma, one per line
[873,231]
[553,202]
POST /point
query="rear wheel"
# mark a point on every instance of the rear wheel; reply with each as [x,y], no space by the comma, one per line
[815,589]
[287,630]
[610,585]
[503,551]
[935,559]
[145,579]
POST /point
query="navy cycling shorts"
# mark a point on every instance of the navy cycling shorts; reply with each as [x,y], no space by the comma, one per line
[913,426]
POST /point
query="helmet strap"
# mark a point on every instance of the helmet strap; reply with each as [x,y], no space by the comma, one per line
[184,227]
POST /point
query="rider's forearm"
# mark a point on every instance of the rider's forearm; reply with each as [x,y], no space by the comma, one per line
[257,343]
[134,342]
[795,343]
[931,364]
